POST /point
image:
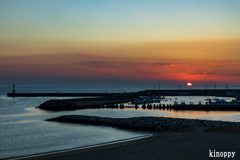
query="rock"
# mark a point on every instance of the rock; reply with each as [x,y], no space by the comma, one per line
[142,121]
[151,124]
[156,122]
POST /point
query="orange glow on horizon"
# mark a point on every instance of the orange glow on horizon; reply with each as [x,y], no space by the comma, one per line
[150,61]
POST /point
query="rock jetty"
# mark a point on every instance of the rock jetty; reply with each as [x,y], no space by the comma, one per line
[85,103]
[150,124]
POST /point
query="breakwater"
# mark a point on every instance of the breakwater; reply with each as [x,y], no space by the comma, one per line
[150,124]
[192,92]
[189,107]
[61,94]
[207,107]
[117,103]
[86,103]
[165,92]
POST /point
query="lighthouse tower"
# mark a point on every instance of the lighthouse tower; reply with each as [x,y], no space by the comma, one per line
[13,91]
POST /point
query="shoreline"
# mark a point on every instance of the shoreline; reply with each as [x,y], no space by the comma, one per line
[199,134]
[81,148]
[193,144]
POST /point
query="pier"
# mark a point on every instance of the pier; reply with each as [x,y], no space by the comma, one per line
[61,94]
[112,100]
[192,92]
[162,92]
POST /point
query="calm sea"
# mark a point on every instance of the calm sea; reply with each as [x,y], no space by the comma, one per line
[23,130]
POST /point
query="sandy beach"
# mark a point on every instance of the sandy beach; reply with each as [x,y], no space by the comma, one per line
[194,143]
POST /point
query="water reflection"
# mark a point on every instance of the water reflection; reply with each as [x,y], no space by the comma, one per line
[32,112]
[21,122]
[130,110]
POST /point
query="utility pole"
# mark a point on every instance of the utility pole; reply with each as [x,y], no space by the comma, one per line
[159,85]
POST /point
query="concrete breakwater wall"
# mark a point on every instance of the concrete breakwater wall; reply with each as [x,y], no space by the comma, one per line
[192,107]
[84,103]
[192,92]
[151,124]
[98,103]
[208,107]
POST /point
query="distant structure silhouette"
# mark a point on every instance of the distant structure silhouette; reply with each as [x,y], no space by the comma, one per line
[13,91]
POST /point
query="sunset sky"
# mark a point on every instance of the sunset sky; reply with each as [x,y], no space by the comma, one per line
[125,43]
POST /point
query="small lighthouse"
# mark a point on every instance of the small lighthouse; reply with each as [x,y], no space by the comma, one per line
[13,91]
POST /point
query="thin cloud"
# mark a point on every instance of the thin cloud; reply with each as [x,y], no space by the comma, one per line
[198,73]
[202,73]
[211,73]
[223,63]
[234,74]
[170,64]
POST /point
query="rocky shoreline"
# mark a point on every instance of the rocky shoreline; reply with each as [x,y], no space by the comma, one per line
[150,124]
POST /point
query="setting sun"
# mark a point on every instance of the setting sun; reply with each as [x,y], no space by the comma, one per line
[189,84]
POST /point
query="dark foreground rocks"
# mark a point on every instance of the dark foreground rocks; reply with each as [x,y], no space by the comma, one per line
[150,124]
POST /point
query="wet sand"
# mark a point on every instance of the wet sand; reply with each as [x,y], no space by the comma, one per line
[190,144]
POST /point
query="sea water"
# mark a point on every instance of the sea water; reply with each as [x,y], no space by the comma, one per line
[24,131]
